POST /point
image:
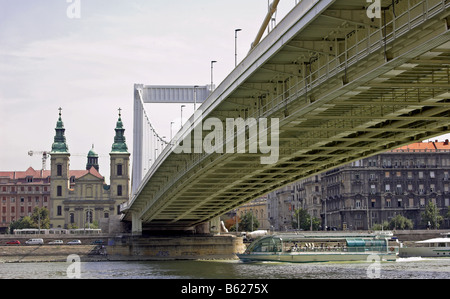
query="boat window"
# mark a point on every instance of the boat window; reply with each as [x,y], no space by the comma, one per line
[266,245]
[441,245]
[355,242]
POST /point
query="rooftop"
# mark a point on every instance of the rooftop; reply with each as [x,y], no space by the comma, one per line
[429,146]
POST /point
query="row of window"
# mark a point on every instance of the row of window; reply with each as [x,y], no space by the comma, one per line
[59,170]
[399,188]
[88,213]
[13,210]
[416,162]
[22,199]
[22,189]
[388,203]
[59,191]
[420,175]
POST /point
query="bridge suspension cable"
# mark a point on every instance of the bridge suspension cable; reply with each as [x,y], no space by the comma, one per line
[148,143]
[154,144]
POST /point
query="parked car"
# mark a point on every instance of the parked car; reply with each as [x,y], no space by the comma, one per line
[74,242]
[56,242]
[15,242]
[35,242]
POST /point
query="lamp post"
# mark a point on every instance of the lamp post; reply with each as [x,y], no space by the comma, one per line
[212,71]
[181,121]
[195,97]
[235,46]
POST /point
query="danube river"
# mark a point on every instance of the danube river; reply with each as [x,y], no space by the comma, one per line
[403,268]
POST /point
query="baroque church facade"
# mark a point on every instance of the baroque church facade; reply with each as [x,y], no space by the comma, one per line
[81,198]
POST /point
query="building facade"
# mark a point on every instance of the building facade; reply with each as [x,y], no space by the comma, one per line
[399,182]
[21,192]
[74,198]
[258,208]
[80,197]
[371,190]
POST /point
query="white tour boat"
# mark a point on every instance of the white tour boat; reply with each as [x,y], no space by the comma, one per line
[321,247]
[437,247]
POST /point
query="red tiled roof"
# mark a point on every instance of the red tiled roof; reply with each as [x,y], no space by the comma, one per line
[424,146]
[14,175]
[80,173]
[23,174]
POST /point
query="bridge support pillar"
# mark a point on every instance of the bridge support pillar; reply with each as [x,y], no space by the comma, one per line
[215,225]
[136,225]
[210,227]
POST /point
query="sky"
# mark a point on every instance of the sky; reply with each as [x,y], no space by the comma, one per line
[86,55]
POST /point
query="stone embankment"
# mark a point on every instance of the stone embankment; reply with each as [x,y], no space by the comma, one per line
[128,249]
[46,253]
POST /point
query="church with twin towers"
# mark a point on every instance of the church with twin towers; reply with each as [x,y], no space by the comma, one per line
[81,198]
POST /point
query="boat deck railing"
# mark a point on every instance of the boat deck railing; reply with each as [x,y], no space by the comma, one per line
[294,249]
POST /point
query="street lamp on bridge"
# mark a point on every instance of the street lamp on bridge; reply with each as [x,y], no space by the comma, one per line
[235,45]
[212,71]
[181,120]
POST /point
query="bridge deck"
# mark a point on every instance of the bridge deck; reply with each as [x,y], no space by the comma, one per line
[343,87]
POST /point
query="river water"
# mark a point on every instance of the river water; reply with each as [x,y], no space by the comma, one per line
[403,268]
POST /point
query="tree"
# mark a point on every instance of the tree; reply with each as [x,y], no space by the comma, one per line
[381,226]
[92,225]
[431,216]
[39,219]
[230,223]
[248,222]
[302,216]
[400,222]
[22,223]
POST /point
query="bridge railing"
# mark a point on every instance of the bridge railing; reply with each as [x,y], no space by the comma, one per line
[356,47]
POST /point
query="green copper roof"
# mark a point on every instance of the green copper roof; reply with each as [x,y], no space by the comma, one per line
[92,153]
[92,159]
[119,145]
[59,145]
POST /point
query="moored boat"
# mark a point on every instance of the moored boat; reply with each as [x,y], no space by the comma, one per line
[436,247]
[320,248]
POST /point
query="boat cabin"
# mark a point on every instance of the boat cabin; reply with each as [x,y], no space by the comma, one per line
[436,242]
[299,243]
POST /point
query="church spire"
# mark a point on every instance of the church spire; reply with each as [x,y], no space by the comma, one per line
[59,145]
[92,159]
[119,145]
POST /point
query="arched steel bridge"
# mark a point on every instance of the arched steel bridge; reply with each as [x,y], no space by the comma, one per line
[345,81]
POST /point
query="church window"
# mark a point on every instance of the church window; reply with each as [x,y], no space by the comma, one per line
[59,170]
[59,191]
[119,169]
[119,190]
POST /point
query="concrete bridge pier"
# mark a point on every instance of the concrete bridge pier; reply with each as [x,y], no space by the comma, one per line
[209,227]
[136,225]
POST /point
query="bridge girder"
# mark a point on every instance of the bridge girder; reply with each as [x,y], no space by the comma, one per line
[343,86]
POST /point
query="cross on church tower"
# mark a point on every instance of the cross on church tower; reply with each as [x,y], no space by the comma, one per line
[120,112]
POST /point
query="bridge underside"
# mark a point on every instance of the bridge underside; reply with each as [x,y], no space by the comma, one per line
[343,86]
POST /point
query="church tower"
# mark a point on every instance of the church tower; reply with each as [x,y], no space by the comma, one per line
[92,159]
[60,179]
[120,167]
